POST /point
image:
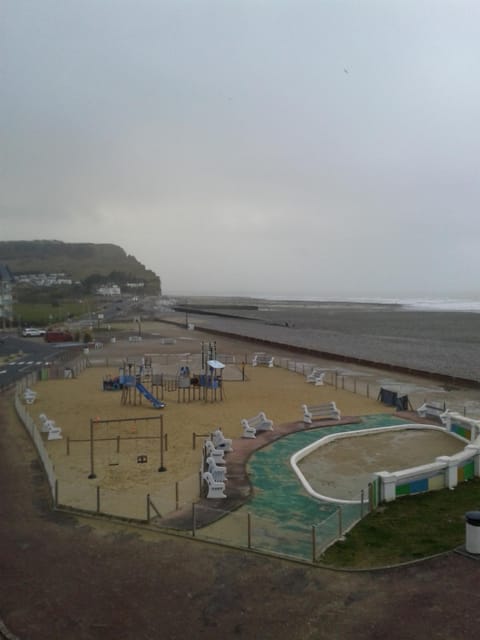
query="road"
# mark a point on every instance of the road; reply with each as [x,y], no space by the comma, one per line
[19,356]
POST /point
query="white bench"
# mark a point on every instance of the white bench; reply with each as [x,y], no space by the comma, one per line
[220,442]
[29,396]
[259,422]
[210,450]
[431,410]
[219,472]
[327,411]
[215,489]
[316,376]
[49,426]
[262,358]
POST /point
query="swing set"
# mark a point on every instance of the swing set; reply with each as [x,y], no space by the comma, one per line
[141,458]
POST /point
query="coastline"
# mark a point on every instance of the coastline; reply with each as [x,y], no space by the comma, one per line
[441,344]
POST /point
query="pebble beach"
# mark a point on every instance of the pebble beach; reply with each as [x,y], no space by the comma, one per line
[435,341]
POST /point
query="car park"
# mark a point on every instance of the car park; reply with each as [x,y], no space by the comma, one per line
[32,332]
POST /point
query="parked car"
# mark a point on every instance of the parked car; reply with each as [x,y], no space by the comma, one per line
[33,332]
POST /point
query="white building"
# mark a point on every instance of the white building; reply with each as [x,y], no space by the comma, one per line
[109,290]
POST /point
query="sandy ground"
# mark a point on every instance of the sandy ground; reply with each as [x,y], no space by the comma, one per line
[246,390]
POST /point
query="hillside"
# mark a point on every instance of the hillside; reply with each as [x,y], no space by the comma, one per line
[79,260]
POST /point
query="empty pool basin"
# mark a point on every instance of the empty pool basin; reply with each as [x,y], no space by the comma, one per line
[338,467]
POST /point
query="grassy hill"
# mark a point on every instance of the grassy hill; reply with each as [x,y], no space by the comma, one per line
[78,260]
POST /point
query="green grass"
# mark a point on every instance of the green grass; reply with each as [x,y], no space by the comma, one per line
[407,529]
[44,314]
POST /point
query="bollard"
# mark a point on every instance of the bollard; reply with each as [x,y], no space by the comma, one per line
[472,533]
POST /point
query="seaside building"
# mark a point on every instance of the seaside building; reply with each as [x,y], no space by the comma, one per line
[109,290]
[6,296]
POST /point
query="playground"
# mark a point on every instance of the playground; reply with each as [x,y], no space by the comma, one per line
[132,438]
[133,430]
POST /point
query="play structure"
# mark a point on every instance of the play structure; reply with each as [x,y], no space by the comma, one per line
[189,386]
[131,381]
[138,381]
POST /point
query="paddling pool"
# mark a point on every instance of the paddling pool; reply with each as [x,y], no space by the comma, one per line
[337,467]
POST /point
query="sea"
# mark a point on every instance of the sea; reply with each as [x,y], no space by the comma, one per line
[440,336]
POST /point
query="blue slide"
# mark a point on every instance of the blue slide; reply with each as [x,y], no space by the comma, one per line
[156,403]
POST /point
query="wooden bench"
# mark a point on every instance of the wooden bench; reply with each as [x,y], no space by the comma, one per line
[431,410]
[327,411]
[316,376]
[262,358]
[259,422]
[215,489]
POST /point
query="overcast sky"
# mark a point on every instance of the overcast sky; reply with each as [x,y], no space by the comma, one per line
[282,147]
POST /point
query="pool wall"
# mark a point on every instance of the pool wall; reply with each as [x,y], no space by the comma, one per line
[445,471]
[467,428]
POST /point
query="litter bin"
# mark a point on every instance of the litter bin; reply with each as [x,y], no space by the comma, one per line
[472,535]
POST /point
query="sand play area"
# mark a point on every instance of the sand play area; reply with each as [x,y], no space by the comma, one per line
[133,431]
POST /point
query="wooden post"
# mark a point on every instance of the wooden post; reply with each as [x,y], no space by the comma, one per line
[68,445]
[55,496]
[177,496]
[92,465]
[98,499]
[118,444]
[162,444]
[194,524]
[148,508]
